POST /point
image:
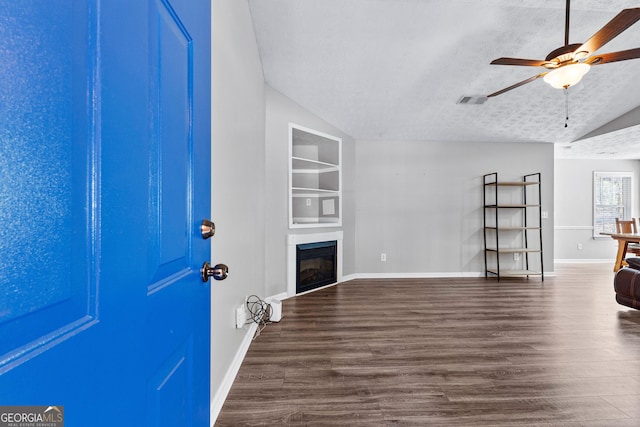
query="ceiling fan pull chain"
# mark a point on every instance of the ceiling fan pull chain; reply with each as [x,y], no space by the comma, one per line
[566,107]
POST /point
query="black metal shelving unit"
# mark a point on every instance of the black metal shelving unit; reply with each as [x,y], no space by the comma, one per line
[512,226]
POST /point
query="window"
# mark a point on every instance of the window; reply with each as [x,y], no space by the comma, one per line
[612,198]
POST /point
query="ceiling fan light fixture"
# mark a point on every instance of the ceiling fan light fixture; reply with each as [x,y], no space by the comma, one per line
[580,55]
[567,75]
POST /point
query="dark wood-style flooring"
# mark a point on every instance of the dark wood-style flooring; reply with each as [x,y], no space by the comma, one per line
[447,352]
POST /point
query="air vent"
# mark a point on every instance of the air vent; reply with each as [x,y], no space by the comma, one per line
[472,100]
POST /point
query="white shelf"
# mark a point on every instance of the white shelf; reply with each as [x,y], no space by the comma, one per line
[301,191]
[314,220]
[315,178]
[302,165]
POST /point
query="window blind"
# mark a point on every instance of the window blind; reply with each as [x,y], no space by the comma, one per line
[612,198]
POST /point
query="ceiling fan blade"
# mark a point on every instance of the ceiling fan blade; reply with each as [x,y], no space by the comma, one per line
[524,82]
[617,25]
[622,55]
[519,61]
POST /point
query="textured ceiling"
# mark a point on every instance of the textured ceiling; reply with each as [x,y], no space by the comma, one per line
[394,69]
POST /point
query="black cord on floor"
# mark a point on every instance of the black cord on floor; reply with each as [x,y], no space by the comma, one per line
[259,312]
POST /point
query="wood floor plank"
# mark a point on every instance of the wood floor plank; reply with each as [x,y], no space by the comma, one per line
[446,352]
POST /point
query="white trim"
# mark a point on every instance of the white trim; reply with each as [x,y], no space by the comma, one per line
[230,376]
[299,239]
[426,275]
[279,297]
[583,261]
[349,277]
[414,275]
[317,289]
[573,227]
[313,131]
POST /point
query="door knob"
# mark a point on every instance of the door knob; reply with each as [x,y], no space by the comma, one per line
[207,229]
[218,272]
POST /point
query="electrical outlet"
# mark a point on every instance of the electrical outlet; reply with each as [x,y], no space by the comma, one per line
[545,215]
[579,246]
[383,257]
[516,256]
[308,202]
[241,316]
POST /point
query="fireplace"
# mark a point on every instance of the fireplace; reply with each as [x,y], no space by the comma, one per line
[316,265]
[301,239]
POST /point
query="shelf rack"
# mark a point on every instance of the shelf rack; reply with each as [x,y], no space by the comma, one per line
[517,234]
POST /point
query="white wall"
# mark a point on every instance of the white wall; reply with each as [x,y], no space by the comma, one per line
[238,191]
[249,184]
[280,112]
[421,203]
[574,207]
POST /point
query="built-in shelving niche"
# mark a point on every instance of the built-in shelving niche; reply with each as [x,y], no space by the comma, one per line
[315,178]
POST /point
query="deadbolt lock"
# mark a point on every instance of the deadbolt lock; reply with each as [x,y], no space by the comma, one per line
[207,229]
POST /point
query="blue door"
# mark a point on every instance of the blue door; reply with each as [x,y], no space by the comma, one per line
[104,182]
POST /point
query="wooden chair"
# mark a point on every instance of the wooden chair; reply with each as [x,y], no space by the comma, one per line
[628,227]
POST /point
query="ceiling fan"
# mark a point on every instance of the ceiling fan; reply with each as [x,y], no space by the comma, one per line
[567,64]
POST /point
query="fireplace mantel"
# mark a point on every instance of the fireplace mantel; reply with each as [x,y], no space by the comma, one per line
[298,239]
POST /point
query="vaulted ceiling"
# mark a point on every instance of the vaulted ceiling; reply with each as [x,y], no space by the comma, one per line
[395,69]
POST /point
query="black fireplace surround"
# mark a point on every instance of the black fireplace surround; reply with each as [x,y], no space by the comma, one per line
[316,265]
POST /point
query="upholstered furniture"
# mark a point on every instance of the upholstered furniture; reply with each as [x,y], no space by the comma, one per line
[627,284]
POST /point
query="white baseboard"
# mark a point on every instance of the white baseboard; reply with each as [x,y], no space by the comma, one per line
[409,275]
[221,395]
[431,275]
[349,277]
[280,297]
[583,261]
